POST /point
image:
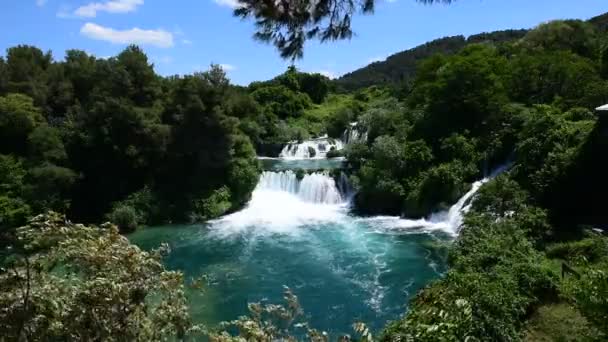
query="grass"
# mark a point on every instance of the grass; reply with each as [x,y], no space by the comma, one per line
[558,322]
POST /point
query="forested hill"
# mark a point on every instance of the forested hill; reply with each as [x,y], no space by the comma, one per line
[601,21]
[399,69]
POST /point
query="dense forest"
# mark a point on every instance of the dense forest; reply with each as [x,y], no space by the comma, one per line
[109,139]
[398,70]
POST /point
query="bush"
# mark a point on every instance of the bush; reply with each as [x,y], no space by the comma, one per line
[587,250]
[590,295]
[216,205]
[125,217]
[333,153]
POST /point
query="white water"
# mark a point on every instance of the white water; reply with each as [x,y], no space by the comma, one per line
[353,134]
[316,188]
[281,203]
[321,146]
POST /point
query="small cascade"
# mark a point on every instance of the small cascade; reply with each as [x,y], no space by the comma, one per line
[315,148]
[448,221]
[353,134]
[317,187]
[456,213]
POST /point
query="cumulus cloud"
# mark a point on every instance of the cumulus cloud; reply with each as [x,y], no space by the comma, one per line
[227,3]
[228,67]
[159,38]
[113,6]
[40,3]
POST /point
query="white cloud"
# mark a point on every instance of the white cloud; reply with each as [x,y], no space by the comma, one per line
[160,38]
[228,67]
[329,74]
[40,3]
[186,42]
[113,6]
[227,3]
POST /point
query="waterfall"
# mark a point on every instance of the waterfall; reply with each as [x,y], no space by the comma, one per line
[353,134]
[317,187]
[448,221]
[315,148]
[455,215]
[281,203]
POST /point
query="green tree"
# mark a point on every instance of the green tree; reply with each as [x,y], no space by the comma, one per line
[18,118]
[27,72]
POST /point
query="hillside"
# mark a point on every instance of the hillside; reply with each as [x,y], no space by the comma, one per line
[399,68]
[601,21]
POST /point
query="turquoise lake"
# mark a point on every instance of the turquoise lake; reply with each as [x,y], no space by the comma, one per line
[300,234]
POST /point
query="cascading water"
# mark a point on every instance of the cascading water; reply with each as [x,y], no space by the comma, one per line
[317,148]
[313,188]
[309,149]
[353,134]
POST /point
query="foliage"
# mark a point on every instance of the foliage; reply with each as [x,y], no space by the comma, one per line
[213,206]
[590,295]
[18,118]
[585,251]
[91,132]
[124,217]
[559,322]
[400,69]
[74,282]
[14,212]
[288,27]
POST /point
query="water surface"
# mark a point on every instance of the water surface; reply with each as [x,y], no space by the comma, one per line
[300,234]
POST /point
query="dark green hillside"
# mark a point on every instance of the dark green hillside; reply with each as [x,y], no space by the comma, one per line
[401,67]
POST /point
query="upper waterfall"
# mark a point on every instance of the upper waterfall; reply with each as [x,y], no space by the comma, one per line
[314,148]
[353,134]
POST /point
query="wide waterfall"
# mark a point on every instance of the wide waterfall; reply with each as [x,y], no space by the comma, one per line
[313,188]
[314,148]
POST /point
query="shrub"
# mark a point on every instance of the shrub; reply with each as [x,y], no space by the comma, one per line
[217,204]
[589,250]
[333,153]
[125,217]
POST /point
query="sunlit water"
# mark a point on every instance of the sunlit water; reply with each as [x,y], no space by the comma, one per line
[299,233]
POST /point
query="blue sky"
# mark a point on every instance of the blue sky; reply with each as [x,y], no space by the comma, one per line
[182,36]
